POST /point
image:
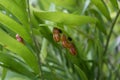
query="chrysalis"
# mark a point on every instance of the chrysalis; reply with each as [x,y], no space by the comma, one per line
[56,34]
[65,42]
[72,49]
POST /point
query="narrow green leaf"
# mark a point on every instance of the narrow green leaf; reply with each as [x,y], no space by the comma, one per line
[20,49]
[16,10]
[86,5]
[64,2]
[12,75]
[53,76]
[68,4]
[81,73]
[21,4]
[114,3]
[14,26]
[100,24]
[68,19]
[43,30]
[8,61]
[44,50]
[4,73]
[44,4]
[102,7]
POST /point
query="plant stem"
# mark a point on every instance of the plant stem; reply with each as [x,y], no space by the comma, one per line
[108,39]
[110,33]
[33,38]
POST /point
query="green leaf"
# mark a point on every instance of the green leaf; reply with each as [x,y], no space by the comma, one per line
[68,4]
[10,62]
[68,19]
[44,4]
[81,73]
[114,3]
[86,5]
[20,49]
[64,2]
[21,4]
[14,26]
[4,73]
[45,32]
[100,24]
[52,76]
[11,75]
[16,10]
[102,7]
[43,51]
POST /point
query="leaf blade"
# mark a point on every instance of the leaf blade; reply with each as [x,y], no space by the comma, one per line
[8,61]
[16,10]
[20,49]
[80,72]
[102,7]
[68,19]
[114,3]
[14,26]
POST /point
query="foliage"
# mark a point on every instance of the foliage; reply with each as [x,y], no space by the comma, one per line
[89,29]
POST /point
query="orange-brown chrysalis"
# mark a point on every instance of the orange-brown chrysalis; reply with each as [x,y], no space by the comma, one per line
[72,49]
[69,45]
[56,34]
[20,39]
[65,42]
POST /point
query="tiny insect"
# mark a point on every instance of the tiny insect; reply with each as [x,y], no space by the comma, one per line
[20,39]
[56,34]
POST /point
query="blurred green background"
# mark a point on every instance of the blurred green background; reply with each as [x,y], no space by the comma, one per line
[93,26]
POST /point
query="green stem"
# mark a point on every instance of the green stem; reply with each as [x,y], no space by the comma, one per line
[108,39]
[110,33]
[109,36]
[34,40]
